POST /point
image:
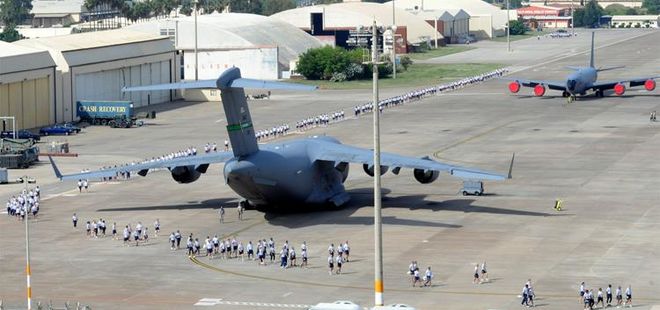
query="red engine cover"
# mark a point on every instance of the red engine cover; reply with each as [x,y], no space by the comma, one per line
[649,85]
[514,87]
[619,89]
[539,90]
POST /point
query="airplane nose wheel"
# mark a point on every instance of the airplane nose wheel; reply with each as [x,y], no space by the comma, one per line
[570,99]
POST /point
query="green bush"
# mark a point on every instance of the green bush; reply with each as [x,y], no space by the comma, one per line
[335,64]
[517,27]
[405,62]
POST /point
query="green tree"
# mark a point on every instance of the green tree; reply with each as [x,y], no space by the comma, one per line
[578,16]
[592,14]
[15,12]
[9,34]
[271,7]
[651,6]
[616,9]
[517,27]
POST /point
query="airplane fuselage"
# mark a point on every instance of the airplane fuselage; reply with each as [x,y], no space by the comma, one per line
[581,80]
[283,173]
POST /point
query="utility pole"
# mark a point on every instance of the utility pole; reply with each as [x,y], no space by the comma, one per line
[508,26]
[378,226]
[393,41]
[28,272]
[196,2]
[572,21]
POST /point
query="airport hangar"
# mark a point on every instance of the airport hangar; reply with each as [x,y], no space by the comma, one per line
[27,83]
[95,66]
[263,47]
[332,23]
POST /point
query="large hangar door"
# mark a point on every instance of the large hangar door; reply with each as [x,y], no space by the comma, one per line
[102,85]
[28,101]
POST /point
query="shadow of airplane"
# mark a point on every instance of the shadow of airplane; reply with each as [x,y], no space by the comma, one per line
[191,205]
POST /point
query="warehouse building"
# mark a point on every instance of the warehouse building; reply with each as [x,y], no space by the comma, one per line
[333,23]
[27,85]
[261,46]
[541,16]
[96,65]
[47,13]
[453,25]
[486,20]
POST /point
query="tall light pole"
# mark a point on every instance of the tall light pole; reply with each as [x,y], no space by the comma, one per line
[508,26]
[196,2]
[378,229]
[28,272]
[393,41]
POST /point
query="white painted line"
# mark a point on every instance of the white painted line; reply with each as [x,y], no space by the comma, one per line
[287,294]
[206,302]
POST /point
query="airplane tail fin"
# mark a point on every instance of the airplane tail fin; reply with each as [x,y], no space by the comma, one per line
[591,61]
[231,85]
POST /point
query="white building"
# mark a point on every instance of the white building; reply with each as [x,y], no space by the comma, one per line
[635,21]
[56,12]
[96,65]
[486,20]
[27,84]
[262,47]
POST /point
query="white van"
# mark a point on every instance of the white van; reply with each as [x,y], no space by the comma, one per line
[471,187]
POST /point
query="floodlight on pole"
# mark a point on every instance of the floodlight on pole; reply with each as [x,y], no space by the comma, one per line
[28,272]
[378,229]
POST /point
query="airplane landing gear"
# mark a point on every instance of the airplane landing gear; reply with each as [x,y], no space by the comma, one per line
[570,99]
[599,93]
[565,94]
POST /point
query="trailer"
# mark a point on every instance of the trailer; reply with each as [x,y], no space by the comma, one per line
[97,112]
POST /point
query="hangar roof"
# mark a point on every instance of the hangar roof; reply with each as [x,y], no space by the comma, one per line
[353,14]
[235,31]
[15,58]
[46,8]
[94,47]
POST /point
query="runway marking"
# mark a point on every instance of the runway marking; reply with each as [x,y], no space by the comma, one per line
[287,294]
[209,302]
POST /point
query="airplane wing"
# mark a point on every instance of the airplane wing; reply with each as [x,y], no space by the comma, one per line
[555,85]
[200,162]
[351,154]
[603,85]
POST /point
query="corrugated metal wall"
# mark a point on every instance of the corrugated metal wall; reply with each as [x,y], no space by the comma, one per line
[28,101]
[107,84]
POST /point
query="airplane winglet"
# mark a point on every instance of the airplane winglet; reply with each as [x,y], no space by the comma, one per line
[58,174]
[511,166]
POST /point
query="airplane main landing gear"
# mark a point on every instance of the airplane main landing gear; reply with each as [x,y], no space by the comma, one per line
[599,93]
[570,99]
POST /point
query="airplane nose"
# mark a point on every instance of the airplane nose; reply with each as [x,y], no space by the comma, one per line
[570,85]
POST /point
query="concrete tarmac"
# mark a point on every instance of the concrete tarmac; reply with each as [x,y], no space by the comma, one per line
[597,155]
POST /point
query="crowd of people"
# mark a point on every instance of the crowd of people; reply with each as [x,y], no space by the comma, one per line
[98,228]
[26,202]
[416,277]
[587,297]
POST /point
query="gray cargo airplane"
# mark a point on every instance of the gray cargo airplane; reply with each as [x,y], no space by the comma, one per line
[308,171]
[581,80]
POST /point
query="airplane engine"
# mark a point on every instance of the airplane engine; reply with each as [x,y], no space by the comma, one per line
[619,89]
[425,176]
[343,169]
[539,90]
[370,169]
[514,87]
[185,174]
[649,85]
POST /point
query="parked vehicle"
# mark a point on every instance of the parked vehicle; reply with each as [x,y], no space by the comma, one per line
[471,187]
[71,126]
[102,112]
[56,130]
[21,134]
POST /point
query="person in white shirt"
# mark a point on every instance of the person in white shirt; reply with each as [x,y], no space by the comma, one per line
[346,250]
[292,257]
[339,260]
[331,249]
[126,235]
[80,185]
[303,253]
[74,219]
[629,296]
[476,274]
[156,227]
[599,297]
[428,276]
[330,264]
[608,293]
[484,272]
[172,241]
[619,297]
[250,251]
[416,277]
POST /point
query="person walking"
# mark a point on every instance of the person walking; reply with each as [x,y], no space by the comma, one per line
[330,264]
[221,211]
[428,276]
[476,274]
[74,219]
[608,295]
[619,297]
[628,297]
[599,297]
[484,272]
[525,296]
[339,260]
